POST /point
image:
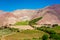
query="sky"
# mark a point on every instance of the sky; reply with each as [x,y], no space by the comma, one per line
[10,5]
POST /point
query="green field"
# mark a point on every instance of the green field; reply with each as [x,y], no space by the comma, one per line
[25,35]
[22,23]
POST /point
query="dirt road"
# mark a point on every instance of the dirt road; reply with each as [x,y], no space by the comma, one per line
[24,27]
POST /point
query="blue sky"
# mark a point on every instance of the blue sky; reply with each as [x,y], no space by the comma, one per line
[10,5]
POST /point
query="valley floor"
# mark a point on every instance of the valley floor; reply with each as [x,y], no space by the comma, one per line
[8,34]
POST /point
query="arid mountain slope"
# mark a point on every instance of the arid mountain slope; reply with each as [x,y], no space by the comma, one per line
[7,18]
[25,14]
[51,15]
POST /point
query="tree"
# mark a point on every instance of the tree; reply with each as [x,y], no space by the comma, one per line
[32,22]
[54,25]
[45,37]
[55,36]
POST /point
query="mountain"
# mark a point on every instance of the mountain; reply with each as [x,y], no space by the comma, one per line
[7,18]
[24,14]
[51,15]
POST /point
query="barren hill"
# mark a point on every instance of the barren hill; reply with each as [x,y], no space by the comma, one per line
[50,14]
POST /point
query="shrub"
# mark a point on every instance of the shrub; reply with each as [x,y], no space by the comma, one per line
[14,29]
[48,27]
[34,38]
[54,25]
[38,28]
[50,31]
[5,27]
[26,39]
[45,37]
[55,36]
[43,26]
[40,38]
[1,28]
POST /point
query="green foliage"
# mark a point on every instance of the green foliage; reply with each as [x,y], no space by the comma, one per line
[56,28]
[55,36]
[47,30]
[14,29]
[26,39]
[34,39]
[45,37]
[7,30]
[50,31]
[54,25]
[38,28]
[33,22]
[22,23]
[4,31]
[43,26]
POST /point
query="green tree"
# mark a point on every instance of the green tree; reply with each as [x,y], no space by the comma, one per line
[32,22]
[54,25]
[55,36]
[45,37]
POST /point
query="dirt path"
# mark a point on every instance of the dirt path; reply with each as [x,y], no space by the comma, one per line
[24,27]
